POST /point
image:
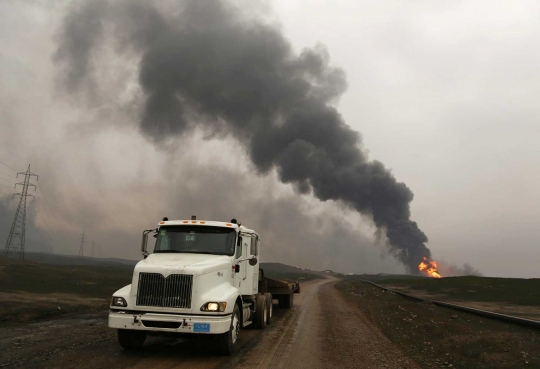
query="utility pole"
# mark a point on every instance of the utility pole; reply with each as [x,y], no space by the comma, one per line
[81,247]
[16,237]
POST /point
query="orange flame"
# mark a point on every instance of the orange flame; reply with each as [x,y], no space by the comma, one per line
[429,267]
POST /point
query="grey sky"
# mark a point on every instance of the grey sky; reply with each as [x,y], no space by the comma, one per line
[444,95]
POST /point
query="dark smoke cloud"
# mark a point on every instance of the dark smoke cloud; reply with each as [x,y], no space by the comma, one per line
[204,65]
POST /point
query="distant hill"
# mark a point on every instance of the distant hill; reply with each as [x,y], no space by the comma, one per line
[282,271]
[59,259]
[56,285]
[272,270]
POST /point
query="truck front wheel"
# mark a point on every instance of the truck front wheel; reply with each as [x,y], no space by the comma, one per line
[229,341]
[130,339]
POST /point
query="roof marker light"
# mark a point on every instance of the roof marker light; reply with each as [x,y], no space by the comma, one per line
[161,222]
[203,222]
[185,221]
[229,224]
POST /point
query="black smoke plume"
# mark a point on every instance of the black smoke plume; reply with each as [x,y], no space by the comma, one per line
[205,64]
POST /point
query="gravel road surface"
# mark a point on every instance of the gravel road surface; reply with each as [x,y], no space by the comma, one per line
[320,331]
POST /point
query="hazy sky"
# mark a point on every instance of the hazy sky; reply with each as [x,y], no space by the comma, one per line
[443,94]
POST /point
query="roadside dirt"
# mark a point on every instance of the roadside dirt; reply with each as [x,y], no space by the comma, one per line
[439,337]
[321,331]
[28,306]
[501,307]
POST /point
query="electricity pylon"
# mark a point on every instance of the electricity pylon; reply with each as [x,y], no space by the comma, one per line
[81,248]
[16,238]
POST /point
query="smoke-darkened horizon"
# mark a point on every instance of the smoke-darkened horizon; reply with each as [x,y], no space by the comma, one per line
[204,65]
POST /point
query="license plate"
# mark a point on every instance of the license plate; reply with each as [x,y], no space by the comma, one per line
[201,327]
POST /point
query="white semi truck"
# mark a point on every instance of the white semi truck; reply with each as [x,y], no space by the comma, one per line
[203,277]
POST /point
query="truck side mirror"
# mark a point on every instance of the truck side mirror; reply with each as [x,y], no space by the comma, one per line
[144,243]
[239,240]
[253,261]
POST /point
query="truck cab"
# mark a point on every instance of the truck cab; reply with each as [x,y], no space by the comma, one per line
[202,277]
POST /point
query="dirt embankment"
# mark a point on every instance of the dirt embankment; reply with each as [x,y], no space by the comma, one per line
[441,337]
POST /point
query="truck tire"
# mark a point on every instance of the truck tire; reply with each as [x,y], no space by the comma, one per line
[286,301]
[228,341]
[270,307]
[131,339]
[261,312]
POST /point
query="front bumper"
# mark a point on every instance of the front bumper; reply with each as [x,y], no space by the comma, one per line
[156,322]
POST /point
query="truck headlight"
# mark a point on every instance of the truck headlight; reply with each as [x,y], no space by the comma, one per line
[214,306]
[118,301]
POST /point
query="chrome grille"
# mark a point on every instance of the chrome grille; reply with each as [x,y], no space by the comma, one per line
[156,290]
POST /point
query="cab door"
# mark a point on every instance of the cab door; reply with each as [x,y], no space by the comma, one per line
[240,261]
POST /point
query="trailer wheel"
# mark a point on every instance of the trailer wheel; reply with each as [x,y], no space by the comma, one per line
[270,308]
[286,301]
[130,339]
[227,342]
[261,313]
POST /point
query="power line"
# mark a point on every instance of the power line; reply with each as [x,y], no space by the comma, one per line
[1,184]
[6,180]
[47,214]
[44,218]
[48,234]
[47,203]
[7,174]
[12,154]
[50,214]
[8,166]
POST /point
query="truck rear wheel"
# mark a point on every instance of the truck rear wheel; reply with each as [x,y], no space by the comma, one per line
[131,339]
[270,306]
[261,313]
[286,301]
[228,341]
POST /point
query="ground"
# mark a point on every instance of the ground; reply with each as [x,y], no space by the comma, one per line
[55,316]
[320,331]
[442,337]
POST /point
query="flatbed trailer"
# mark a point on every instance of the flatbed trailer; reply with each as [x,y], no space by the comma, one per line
[281,290]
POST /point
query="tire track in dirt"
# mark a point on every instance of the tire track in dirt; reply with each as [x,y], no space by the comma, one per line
[322,331]
[278,347]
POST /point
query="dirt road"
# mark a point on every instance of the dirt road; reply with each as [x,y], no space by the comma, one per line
[321,331]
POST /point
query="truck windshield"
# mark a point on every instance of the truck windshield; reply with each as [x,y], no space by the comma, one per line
[196,240]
